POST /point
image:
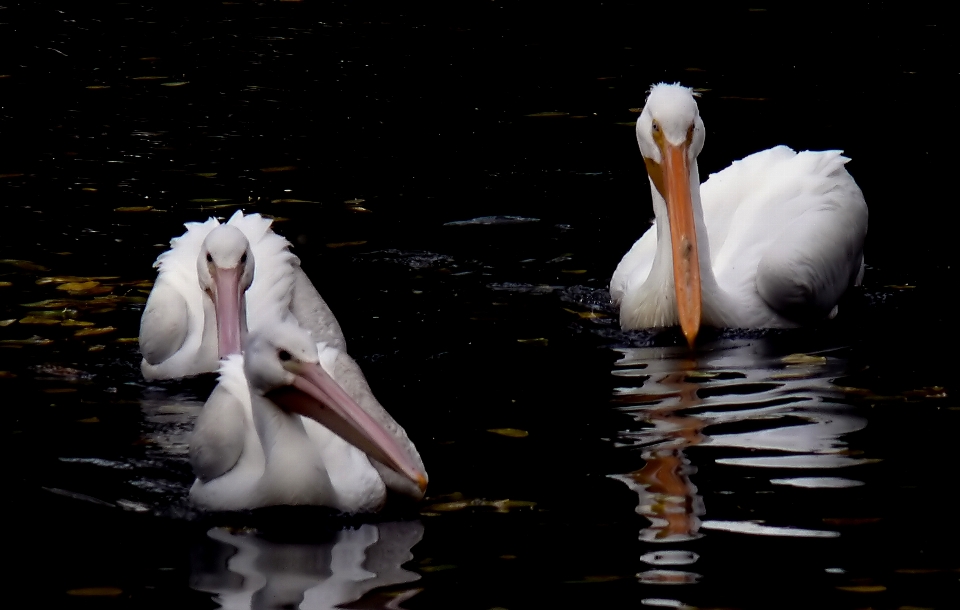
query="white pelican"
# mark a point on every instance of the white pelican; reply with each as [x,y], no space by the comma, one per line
[294,422]
[773,240]
[197,311]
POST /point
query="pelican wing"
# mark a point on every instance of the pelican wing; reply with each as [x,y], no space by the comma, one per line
[221,429]
[313,313]
[795,233]
[164,324]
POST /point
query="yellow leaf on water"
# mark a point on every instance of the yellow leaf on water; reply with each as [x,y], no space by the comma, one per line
[126,340]
[574,271]
[535,341]
[34,340]
[864,588]
[89,332]
[76,323]
[134,208]
[77,286]
[7,322]
[803,359]
[278,168]
[26,265]
[39,320]
[179,83]
[445,507]
[510,432]
[6,284]
[96,348]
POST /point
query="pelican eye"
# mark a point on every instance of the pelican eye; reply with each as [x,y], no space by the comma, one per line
[209,258]
[656,125]
[284,355]
[243,259]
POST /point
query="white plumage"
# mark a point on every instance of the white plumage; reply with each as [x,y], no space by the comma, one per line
[774,240]
[182,324]
[263,439]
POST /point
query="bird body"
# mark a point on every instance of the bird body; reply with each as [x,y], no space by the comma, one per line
[774,240]
[196,304]
[258,443]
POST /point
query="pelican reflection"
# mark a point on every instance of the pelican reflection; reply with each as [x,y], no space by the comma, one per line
[766,411]
[245,570]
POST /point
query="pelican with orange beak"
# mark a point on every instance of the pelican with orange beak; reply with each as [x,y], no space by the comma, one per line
[772,241]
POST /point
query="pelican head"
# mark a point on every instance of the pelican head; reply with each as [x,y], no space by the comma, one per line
[282,364]
[225,271]
[670,134]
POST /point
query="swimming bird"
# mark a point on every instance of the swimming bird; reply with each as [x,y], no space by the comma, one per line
[773,240]
[210,282]
[294,422]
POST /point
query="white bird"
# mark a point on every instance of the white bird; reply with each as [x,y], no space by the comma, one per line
[211,282]
[774,240]
[294,422]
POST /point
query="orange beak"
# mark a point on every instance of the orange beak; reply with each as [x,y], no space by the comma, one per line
[673,182]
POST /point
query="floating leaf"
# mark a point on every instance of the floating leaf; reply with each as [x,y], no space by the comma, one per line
[6,284]
[864,588]
[803,359]
[278,168]
[25,265]
[209,200]
[511,432]
[593,579]
[134,208]
[178,83]
[149,77]
[34,340]
[548,114]
[76,323]
[89,420]
[506,505]
[74,279]
[39,320]
[360,210]
[96,348]
[7,322]
[537,341]
[354,201]
[90,332]
[206,174]
[126,340]
[445,507]
[78,286]
[98,86]
[574,271]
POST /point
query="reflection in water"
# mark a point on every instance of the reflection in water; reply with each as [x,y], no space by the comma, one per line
[782,412]
[247,571]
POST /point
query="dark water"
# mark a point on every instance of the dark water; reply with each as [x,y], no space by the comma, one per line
[571,464]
